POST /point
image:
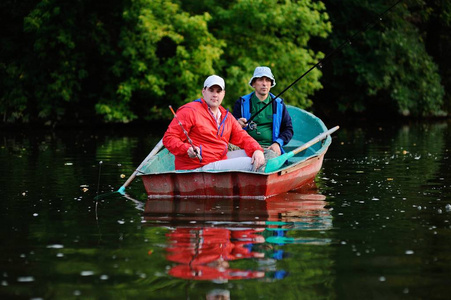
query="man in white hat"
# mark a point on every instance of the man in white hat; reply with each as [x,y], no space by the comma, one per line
[211,128]
[272,127]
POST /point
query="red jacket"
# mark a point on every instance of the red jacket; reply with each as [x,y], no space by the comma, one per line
[203,131]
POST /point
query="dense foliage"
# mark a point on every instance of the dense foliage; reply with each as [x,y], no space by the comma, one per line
[387,67]
[72,61]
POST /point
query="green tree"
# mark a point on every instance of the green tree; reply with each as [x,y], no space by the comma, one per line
[125,60]
[165,54]
[385,68]
[435,24]
[272,33]
[13,45]
[170,47]
[54,61]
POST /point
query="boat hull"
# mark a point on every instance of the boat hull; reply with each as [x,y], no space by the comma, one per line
[232,184]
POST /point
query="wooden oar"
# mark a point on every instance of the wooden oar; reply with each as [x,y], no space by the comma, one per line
[151,154]
[276,162]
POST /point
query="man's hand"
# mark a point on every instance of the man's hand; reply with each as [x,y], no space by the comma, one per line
[242,122]
[258,159]
[276,148]
[192,153]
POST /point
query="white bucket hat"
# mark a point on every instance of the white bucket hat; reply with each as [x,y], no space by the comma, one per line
[214,80]
[263,72]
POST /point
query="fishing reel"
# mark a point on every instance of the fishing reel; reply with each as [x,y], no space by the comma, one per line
[252,126]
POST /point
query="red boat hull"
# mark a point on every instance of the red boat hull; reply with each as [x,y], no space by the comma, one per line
[233,184]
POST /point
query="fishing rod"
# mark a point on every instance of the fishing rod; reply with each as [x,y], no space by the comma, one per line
[321,61]
[186,134]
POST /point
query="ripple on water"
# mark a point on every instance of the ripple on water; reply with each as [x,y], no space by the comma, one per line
[25,279]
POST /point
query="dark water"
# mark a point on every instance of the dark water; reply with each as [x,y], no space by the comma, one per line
[375,226]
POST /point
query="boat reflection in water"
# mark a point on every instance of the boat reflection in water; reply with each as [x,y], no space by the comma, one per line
[207,235]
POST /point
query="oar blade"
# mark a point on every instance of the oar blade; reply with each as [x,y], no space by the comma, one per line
[121,190]
[275,163]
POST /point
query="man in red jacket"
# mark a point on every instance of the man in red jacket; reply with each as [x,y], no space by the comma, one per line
[211,128]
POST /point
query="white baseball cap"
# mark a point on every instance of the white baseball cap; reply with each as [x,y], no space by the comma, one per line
[263,72]
[214,80]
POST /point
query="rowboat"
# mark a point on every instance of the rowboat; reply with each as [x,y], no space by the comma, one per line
[161,180]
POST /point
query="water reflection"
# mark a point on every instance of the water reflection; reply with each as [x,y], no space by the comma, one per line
[229,239]
[205,253]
